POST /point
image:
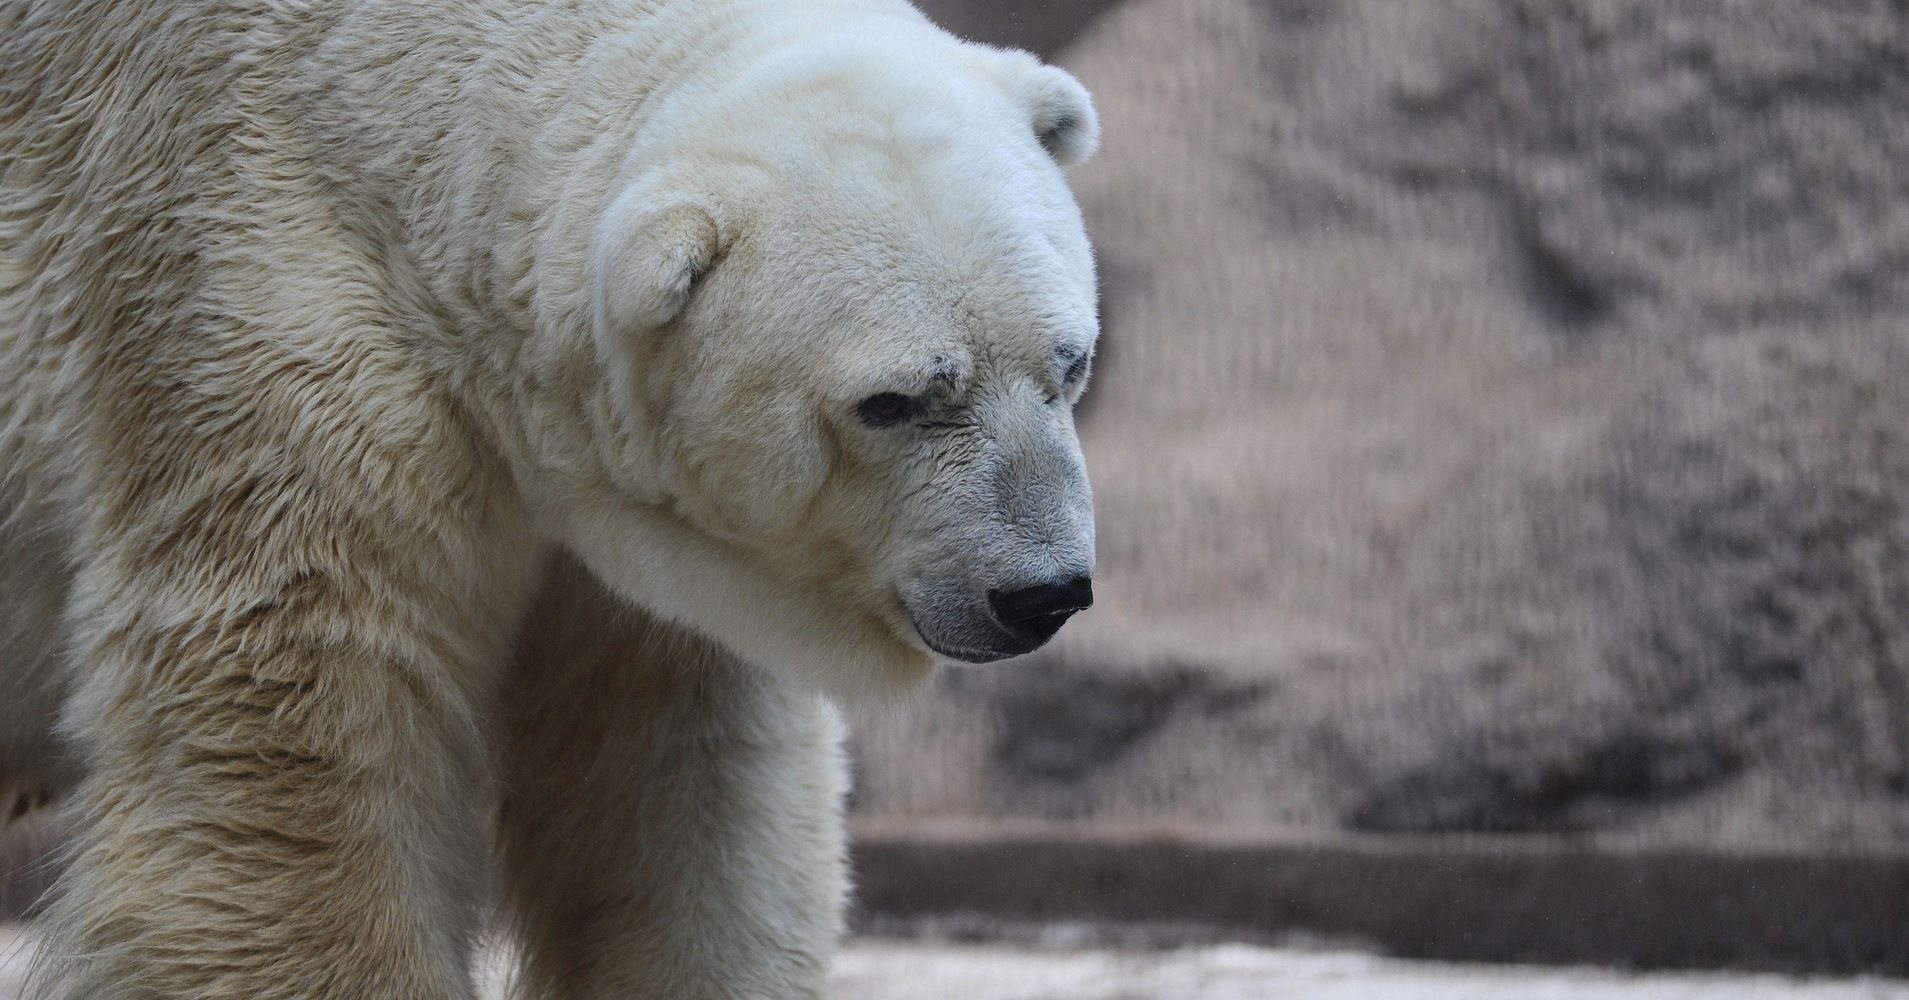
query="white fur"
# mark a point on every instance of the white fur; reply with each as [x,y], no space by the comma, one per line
[325,329]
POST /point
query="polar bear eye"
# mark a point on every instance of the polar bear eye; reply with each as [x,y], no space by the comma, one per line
[884,409]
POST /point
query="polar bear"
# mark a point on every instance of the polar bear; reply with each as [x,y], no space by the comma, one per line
[477,441]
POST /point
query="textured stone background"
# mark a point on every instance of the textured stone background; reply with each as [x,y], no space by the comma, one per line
[1502,424]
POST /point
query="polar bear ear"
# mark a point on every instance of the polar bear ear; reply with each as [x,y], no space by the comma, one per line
[1062,114]
[1057,107]
[650,250]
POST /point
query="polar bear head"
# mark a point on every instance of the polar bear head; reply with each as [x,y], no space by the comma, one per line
[844,304]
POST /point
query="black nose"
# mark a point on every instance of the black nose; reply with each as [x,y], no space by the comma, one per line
[1041,609]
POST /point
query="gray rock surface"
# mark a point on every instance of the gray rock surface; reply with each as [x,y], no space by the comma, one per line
[1499,426]
[1038,27]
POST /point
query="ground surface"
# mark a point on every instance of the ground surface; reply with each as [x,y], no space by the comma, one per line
[912,971]
[903,970]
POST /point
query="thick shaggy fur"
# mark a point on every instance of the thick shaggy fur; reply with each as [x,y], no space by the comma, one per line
[327,329]
[729,856]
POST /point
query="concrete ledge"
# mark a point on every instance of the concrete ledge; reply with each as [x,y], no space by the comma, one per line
[1463,899]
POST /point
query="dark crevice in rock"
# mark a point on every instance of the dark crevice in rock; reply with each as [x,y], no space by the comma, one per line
[1061,724]
[1562,292]
[1562,792]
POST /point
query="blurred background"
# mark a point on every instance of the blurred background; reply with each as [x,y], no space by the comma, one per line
[1500,439]
[1501,424]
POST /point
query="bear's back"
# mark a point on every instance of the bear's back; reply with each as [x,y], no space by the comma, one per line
[110,115]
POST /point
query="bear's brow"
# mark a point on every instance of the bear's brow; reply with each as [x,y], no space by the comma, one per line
[944,375]
[939,373]
[941,368]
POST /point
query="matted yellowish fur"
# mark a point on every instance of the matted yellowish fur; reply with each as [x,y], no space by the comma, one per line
[444,431]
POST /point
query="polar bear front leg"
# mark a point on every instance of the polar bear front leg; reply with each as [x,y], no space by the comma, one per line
[285,795]
[672,826]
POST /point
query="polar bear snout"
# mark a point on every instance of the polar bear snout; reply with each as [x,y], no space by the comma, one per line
[1008,527]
